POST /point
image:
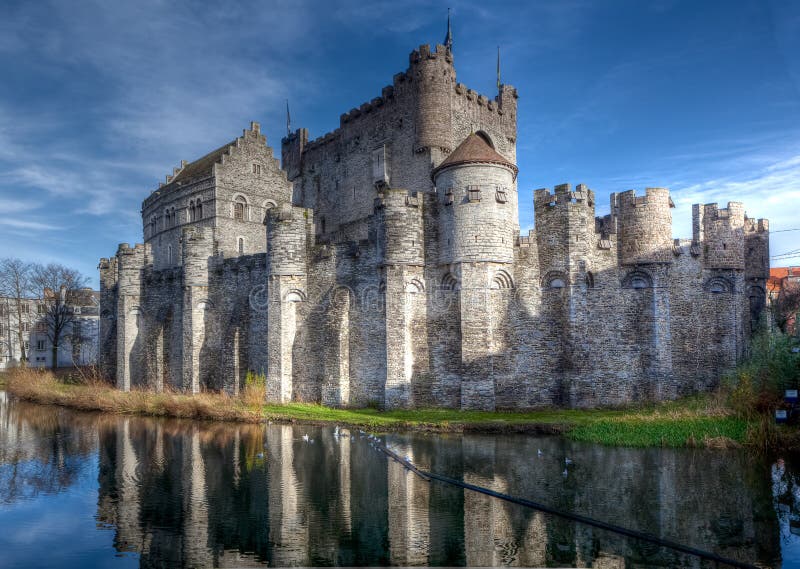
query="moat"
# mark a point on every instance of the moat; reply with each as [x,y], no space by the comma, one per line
[90,490]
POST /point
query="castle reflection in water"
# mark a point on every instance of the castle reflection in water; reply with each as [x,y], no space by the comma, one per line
[186,494]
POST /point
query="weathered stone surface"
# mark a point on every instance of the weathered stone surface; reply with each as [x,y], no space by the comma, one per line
[382,279]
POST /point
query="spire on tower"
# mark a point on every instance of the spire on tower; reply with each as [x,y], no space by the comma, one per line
[288,120]
[498,68]
[448,39]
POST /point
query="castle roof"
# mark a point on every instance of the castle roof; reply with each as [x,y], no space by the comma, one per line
[474,150]
[201,167]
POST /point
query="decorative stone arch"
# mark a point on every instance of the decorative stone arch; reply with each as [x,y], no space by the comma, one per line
[268,205]
[718,285]
[637,279]
[415,286]
[241,207]
[555,280]
[241,244]
[502,280]
[450,282]
[485,137]
[204,304]
[295,295]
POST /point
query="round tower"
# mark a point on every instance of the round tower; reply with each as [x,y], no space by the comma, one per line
[434,75]
[477,189]
[644,226]
[287,234]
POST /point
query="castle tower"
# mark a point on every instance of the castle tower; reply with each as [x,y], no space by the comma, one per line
[644,226]
[476,188]
[720,232]
[756,245]
[130,317]
[197,249]
[435,76]
[565,238]
[644,229]
[107,327]
[290,230]
[401,245]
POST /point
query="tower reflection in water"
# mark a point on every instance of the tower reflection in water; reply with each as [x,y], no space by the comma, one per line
[188,495]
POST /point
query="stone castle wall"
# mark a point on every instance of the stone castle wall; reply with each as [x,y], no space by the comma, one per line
[382,279]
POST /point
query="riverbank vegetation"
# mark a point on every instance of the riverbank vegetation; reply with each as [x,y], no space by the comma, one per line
[739,413]
[696,421]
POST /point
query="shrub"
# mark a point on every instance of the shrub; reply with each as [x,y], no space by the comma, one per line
[757,385]
[255,387]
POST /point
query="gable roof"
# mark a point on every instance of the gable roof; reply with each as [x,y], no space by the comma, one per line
[201,167]
[474,150]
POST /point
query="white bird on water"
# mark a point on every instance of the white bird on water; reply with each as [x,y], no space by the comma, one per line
[567,461]
[565,473]
[336,431]
[539,452]
[305,438]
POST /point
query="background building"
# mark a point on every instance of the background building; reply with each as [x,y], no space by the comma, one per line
[79,342]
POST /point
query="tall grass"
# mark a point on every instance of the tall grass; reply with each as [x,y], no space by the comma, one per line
[90,395]
[757,385]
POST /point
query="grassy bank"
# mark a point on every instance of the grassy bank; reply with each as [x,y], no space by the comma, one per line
[696,421]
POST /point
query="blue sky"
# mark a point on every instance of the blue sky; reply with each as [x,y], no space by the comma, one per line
[99,100]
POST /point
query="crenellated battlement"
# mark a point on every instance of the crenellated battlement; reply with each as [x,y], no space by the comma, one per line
[424,52]
[126,249]
[563,195]
[720,232]
[752,225]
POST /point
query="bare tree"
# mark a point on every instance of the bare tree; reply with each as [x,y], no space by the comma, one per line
[61,287]
[16,285]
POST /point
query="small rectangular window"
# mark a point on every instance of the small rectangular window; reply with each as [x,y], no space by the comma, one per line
[473,193]
[256,169]
[40,345]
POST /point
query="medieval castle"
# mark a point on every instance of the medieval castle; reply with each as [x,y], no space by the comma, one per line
[383,264]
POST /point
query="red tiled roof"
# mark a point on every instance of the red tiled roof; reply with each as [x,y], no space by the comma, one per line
[777,276]
[474,150]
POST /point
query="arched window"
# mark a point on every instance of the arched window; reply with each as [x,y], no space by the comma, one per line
[555,280]
[199,210]
[191,210]
[638,280]
[240,245]
[169,254]
[240,209]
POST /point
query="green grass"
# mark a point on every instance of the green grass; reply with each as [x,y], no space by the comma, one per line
[694,421]
[631,431]
[3,380]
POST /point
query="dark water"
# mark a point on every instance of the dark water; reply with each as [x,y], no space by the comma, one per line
[84,490]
